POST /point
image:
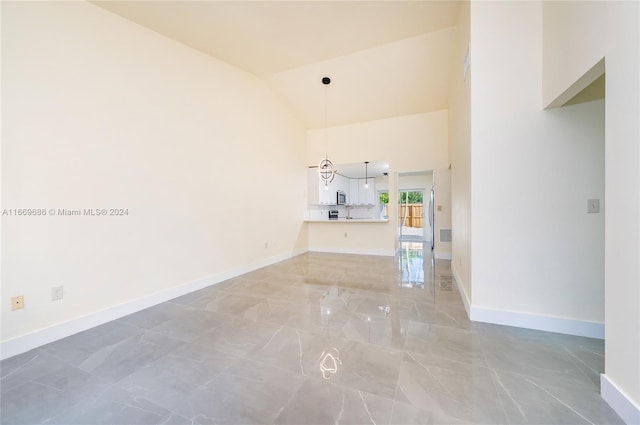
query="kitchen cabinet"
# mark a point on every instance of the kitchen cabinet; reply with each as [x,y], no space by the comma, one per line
[353,194]
[325,192]
[343,184]
[321,195]
[367,196]
[356,193]
[359,195]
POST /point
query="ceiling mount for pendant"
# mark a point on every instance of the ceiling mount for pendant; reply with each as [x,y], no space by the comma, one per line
[366,174]
[327,171]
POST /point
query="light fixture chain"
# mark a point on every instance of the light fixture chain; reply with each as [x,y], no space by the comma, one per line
[326,170]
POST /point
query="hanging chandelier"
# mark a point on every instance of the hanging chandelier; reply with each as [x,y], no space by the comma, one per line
[326,170]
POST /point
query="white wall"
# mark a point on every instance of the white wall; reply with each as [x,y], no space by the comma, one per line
[442,212]
[569,52]
[102,113]
[535,249]
[460,155]
[415,181]
[409,143]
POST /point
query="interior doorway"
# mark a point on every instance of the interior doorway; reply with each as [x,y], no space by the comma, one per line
[415,220]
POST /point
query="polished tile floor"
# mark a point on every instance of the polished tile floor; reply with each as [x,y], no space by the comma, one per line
[318,339]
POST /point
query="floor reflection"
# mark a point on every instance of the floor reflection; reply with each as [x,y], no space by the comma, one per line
[329,363]
[417,265]
[320,338]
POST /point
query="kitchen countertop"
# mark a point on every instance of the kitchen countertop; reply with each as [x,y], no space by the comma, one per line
[351,220]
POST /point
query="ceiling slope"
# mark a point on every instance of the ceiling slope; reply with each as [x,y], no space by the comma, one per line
[401,78]
[386,58]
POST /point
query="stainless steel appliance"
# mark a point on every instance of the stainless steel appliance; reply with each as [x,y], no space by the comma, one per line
[341,198]
[432,216]
[333,214]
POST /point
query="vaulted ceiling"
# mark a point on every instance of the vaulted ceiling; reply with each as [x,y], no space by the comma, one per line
[385,58]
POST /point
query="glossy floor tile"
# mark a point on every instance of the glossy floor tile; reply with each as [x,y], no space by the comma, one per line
[317,339]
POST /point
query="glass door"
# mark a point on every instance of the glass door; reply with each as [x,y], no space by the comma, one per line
[412,215]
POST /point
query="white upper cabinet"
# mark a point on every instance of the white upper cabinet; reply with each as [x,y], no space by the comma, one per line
[325,194]
[366,196]
[321,194]
[341,183]
[318,195]
[352,186]
[359,195]
[353,196]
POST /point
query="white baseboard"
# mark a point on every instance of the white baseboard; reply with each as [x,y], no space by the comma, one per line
[628,411]
[526,320]
[538,322]
[333,250]
[466,300]
[61,330]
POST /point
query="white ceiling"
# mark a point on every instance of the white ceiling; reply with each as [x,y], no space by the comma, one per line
[357,170]
[385,58]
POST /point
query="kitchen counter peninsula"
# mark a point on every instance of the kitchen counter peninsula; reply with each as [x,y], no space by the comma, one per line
[351,236]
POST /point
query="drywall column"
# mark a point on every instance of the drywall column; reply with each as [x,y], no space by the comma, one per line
[460,156]
[538,257]
[577,36]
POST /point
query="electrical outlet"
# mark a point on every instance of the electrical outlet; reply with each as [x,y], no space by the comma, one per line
[57,293]
[17,303]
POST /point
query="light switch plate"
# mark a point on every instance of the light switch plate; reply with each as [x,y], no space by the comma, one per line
[593,206]
[57,293]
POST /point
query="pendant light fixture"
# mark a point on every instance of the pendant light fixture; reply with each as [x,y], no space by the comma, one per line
[326,170]
[366,174]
